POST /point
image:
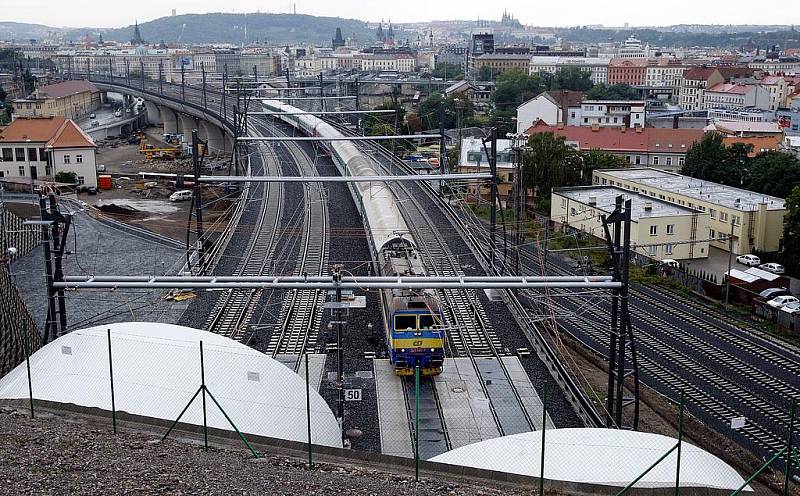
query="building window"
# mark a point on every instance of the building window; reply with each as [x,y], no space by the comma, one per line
[79,160]
[638,160]
[32,155]
[8,155]
[655,160]
[47,170]
[653,250]
[653,230]
[670,228]
[22,170]
[66,159]
[712,213]
[20,154]
[723,217]
[712,234]
[80,179]
[573,212]
[42,156]
[563,203]
[668,249]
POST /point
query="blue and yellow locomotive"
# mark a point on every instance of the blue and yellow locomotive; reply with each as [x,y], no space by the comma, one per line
[415,331]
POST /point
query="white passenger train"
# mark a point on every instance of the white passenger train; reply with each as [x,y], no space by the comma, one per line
[414,331]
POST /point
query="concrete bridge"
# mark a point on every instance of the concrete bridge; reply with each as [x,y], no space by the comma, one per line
[178,109]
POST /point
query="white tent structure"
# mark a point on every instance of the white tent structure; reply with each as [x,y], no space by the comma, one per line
[157,371]
[610,457]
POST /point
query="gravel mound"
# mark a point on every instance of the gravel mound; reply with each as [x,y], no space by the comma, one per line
[53,455]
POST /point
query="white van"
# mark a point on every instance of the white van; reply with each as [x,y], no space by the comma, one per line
[181,195]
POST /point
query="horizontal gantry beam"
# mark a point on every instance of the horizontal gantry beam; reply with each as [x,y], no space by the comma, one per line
[342,179]
[329,282]
[338,138]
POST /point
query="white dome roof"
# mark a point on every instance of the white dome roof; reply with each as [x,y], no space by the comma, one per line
[610,457]
[157,371]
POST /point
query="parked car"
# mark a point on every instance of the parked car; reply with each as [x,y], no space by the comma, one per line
[751,260]
[771,293]
[773,267]
[95,124]
[181,195]
[791,308]
[780,301]
[92,115]
[668,262]
[91,190]
[101,167]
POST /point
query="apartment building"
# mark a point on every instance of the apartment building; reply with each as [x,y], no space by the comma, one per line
[664,73]
[35,148]
[693,86]
[551,107]
[499,63]
[632,71]
[603,113]
[754,220]
[659,148]
[735,96]
[659,229]
[595,66]
[71,99]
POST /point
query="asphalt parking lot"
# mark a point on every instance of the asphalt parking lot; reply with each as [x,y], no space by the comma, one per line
[717,263]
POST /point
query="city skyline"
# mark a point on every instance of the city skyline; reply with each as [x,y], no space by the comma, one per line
[578,12]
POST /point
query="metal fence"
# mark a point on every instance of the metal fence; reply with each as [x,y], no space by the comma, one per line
[102,374]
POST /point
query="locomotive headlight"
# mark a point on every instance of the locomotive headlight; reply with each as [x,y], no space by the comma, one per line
[403,350]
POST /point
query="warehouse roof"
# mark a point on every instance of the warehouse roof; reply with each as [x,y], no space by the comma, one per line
[611,457]
[157,371]
[720,194]
[642,206]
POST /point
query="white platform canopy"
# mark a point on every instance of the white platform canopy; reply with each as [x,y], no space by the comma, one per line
[608,457]
[157,371]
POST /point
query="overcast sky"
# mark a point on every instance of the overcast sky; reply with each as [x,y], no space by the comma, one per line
[110,13]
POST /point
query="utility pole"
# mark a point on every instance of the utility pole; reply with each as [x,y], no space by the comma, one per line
[183,81]
[198,200]
[225,93]
[493,194]
[128,72]
[358,95]
[110,70]
[337,277]
[141,69]
[50,329]
[59,245]
[442,147]
[621,340]
[321,94]
[203,75]
[160,77]
[730,261]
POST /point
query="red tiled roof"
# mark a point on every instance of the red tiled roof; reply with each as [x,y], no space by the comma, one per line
[613,139]
[66,88]
[701,73]
[38,129]
[69,135]
[620,62]
[57,132]
[736,89]
[765,143]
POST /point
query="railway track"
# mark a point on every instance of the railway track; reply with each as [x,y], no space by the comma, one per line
[723,372]
[301,312]
[232,312]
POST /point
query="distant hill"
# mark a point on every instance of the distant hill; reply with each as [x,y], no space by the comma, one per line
[239,28]
[21,31]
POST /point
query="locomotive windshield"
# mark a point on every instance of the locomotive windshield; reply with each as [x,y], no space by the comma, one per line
[405,322]
[428,321]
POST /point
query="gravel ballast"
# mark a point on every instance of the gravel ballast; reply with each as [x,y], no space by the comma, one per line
[56,455]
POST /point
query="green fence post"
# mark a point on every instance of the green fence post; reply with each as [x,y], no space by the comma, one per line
[789,450]
[416,423]
[680,443]
[203,389]
[544,430]
[651,467]
[111,377]
[308,414]
[238,432]
[758,472]
[28,363]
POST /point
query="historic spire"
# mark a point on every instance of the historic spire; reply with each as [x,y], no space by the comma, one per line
[137,35]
